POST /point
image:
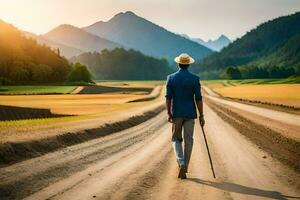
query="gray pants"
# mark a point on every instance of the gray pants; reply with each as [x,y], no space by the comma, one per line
[188,131]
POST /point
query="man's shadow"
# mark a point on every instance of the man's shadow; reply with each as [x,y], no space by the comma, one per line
[232,187]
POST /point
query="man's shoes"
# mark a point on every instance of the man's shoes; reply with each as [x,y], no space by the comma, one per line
[181,173]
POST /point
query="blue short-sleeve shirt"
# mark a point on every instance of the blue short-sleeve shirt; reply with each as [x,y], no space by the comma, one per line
[183,89]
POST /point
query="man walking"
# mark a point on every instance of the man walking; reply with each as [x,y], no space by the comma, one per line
[183,92]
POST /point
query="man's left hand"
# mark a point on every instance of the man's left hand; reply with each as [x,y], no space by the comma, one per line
[201,120]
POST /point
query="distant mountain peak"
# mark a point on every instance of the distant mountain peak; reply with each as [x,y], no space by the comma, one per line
[75,37]
[216,45]
[138,33]
[63,28]
[130,13]
[127,14]
[223,37]
[121,15]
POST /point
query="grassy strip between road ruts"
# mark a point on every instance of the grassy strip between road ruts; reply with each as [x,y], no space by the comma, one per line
[284,149]
[11,152]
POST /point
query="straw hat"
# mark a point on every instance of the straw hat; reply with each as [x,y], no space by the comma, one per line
[184,59]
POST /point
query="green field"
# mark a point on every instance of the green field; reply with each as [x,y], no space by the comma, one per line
[15,90]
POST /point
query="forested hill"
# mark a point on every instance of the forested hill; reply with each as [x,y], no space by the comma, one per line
[283,62]
[138,33]
[287,55]
[258,43]
[121,64]
[23,60]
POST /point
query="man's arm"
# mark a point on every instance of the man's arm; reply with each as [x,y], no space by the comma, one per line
[169,104]
[169,96]
[199,103]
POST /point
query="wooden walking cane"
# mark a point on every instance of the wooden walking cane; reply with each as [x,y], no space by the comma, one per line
[211,165]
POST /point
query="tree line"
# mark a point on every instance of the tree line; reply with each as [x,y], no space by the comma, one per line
[121,64]
[256,72]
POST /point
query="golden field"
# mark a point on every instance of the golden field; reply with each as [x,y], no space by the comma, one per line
[87,110]
[82,104]
[73,104]
[287,94]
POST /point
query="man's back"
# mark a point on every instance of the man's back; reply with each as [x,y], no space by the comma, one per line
[183,88]
[183,91]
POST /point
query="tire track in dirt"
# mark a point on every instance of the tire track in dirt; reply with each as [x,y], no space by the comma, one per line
[12,152]
[141,183]
[104,183]
[61,164]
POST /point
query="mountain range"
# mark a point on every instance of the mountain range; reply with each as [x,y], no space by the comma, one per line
[138,33]
[126,30]
[215,45]
[271,48]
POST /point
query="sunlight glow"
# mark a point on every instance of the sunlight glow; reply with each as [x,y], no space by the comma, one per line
[198,18]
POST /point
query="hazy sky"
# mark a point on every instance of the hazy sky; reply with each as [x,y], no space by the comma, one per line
[198,18]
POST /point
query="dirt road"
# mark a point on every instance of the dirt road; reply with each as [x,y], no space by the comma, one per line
[139,164]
